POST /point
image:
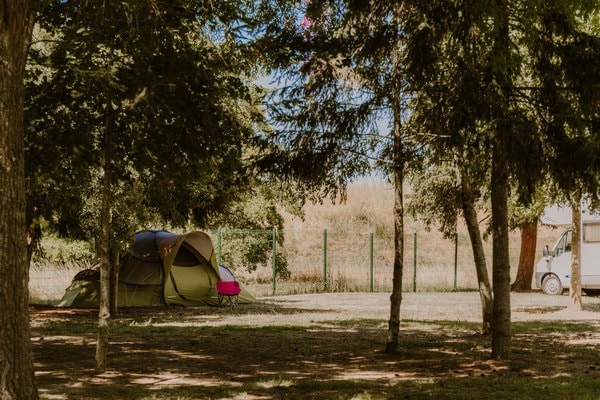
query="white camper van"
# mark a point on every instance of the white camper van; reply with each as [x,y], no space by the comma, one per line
[553,271]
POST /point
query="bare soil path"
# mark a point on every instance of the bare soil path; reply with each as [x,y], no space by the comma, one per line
[309,309]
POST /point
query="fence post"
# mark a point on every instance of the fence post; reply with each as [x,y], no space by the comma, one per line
[274,259]
[219,246]
[325,258]
[455,258]
[415,262]
[371,262]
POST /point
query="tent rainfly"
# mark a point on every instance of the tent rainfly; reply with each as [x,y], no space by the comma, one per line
[160,268]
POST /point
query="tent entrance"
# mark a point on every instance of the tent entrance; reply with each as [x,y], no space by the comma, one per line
[191,278]
[187,256]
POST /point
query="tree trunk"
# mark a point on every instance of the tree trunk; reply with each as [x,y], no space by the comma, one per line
[103,316]
[483,280]
[34,235]
[524,276]
[501,84]
[104,246]
[396,296]
[575,289]
[114,282]
[17,379]
[501,325]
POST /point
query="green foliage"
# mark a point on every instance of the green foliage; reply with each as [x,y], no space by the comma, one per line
[548,83]
[331,98]
[531,212]
[168,84]
[55,250]
[249,249]
[436,198]
[564,54]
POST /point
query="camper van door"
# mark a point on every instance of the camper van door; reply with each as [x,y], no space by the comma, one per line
[590,255]
[561,260]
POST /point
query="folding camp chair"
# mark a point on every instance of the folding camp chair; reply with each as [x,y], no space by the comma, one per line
[227,292]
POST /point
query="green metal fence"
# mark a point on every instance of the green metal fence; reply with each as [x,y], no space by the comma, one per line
[330,260]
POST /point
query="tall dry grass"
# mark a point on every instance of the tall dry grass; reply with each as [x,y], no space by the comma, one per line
[369,209]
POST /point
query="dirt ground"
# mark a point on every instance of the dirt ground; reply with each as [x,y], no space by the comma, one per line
[267,350]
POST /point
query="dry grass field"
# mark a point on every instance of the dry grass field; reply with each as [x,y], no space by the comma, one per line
[430,266]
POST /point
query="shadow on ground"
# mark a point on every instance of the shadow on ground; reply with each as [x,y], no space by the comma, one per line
[339,360]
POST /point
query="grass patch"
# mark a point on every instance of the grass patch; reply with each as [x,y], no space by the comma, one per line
[549,327]
[359,323]
[503,387]
[336,360]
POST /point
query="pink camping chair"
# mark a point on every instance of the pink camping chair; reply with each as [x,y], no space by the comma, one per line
[227,292]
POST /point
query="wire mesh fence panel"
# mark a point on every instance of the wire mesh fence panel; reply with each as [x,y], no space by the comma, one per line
[303,251]
[434,263]
[48,282]
[346,262]
[383,263]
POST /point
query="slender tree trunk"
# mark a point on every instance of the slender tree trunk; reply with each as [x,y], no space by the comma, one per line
[524,276]
[104,246]
[17,379]
[501,324]
[114,282]
[34,235]
[483,280]
[103,316]
[575,289]
[398,172]
[501,82]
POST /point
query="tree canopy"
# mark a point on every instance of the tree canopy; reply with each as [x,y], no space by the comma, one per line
[175,87]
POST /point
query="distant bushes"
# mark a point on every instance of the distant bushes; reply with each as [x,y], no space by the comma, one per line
[55,250]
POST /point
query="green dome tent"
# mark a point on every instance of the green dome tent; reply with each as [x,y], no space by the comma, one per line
[160,268]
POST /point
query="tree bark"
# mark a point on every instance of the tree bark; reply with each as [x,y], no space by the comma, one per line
[103,317]
[104,246]
[398,172]
[501,324]
[575,289]
[501,85]
[524,276]
[34,235]
[483,280]
[114,282]
[17,380]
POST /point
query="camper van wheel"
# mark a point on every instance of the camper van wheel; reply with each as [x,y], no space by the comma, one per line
[551,285]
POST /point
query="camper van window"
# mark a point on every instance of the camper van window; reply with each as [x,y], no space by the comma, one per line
[591,232]
[564,244]
[568,238]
